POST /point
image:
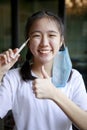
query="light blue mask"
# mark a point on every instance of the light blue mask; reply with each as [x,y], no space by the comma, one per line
[62,67]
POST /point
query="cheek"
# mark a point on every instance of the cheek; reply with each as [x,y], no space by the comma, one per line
[56,45]
[33,48]
[56,49]
[34,43]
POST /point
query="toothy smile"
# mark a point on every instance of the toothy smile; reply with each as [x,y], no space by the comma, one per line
[44,51]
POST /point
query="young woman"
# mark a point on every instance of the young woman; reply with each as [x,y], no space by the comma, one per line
[37,102]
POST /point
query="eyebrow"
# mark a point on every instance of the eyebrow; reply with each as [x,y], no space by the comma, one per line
[53,31]
[37,31]
[34,32]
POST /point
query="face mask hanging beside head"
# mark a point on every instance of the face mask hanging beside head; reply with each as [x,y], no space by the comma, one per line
[62,67]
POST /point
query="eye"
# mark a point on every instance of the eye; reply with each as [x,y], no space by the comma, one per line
[52,35]
[35,35]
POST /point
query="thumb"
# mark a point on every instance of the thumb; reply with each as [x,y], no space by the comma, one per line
[44,73]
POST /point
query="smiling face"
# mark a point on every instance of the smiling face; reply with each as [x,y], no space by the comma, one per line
[45,40]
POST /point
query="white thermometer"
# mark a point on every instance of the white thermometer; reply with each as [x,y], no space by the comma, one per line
[21,47]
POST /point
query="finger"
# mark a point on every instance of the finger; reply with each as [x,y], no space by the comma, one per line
[3,59]
[44,73]
[7,53]
[18,55]
[9,56]
[34,87]
[11,53]
[15,50]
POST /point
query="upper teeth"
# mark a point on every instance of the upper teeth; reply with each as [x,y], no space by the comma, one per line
[45,51]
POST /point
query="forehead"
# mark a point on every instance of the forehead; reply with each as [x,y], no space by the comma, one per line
[45,23]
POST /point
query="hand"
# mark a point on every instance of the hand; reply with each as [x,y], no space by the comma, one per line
[7,60]
[43,87]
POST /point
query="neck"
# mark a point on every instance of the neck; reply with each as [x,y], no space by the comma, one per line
[36,68]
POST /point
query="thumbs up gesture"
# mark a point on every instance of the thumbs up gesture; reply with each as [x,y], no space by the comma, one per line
[43,87]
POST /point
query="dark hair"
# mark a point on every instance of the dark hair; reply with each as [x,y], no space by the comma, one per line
[26,68]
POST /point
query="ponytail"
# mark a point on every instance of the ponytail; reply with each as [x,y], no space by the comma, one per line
[25,70]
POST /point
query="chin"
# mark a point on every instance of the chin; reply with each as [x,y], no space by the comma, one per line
[45,61]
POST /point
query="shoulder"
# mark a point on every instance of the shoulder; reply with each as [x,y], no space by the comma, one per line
[76,79]
[75,74]
[13,74]
[78,89]
[14,70]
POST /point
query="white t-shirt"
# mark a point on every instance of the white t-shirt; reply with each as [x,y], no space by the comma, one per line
[31,113]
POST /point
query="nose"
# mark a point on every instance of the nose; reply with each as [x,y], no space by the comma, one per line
[44,41]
